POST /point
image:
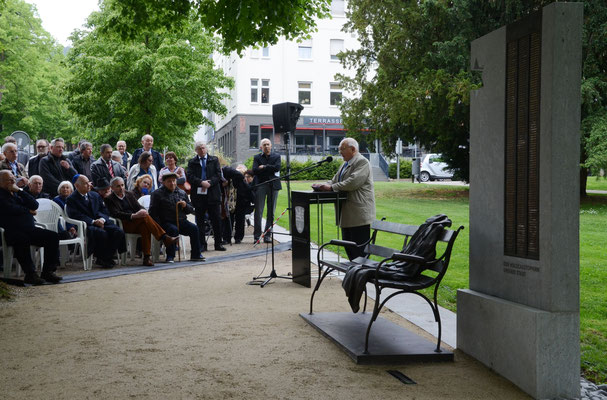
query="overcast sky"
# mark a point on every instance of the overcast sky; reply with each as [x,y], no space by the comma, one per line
[61,17]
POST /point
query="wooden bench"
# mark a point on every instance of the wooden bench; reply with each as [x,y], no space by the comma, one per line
[433,273]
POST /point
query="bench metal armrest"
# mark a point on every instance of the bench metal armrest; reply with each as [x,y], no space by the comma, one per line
[344,243]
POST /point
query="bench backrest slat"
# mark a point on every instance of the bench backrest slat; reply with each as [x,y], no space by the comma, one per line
[393,227]
[380,251]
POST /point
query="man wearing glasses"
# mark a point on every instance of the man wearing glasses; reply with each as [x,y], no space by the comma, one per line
[33,166]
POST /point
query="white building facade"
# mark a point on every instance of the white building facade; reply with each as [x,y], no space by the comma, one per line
[289,71]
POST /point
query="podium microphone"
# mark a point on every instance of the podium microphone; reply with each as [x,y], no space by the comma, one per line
[328,159]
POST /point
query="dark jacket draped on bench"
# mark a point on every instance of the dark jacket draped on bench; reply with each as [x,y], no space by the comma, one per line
[422,244]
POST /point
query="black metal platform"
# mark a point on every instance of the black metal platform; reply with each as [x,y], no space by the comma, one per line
[388,343]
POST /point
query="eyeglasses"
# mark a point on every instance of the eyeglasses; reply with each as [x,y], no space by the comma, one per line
[41,147]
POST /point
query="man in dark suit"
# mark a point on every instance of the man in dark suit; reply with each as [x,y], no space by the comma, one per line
[135,219]
[204,174]
[169,206]
[17,210]
[55,168]
[266,166]
[33,164]
[147,141]
[103,236]
[82,161]
[34,188]
[105,167]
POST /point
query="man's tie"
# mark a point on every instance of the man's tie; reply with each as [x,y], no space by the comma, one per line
[204,169]
[343,169]
[109,166]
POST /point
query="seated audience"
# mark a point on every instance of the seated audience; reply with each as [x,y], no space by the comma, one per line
[55,167]
[34,187]
[10,163]
[116,156]
[171,161]
[17,212]
[22,156]
[144,167]
[103,188]
[135,219]
[143,186]
[103,236]
[32,167]
[169,206]
[105,167]
[65,189]
[82,161]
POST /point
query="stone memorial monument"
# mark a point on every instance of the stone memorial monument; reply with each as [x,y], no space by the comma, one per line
[520,316]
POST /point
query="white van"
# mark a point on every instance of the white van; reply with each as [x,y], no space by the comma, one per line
[433,167]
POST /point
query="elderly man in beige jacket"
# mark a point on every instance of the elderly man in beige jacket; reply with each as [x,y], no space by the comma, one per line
[355,178]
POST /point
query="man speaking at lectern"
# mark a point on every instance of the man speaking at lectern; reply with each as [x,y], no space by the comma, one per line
[355,178]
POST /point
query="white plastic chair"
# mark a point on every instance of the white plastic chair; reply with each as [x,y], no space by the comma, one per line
[81,228]
[145,201]
[8,260]
[131,243]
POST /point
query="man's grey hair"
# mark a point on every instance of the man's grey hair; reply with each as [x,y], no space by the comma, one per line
[57,140]
[264,140]
[199,143]
[116,153]
[116,179]
[147,134]
[65,183]
[34,177]
[350,142]
[8,145]
[84,145]
[42,140]
[10,139]
[104,147]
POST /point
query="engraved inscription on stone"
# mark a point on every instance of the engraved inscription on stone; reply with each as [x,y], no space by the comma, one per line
[521,194]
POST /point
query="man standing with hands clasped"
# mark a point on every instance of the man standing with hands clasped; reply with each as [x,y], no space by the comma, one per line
[204,174]
[355,178]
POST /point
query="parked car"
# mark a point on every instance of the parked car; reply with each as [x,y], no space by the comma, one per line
[433,167]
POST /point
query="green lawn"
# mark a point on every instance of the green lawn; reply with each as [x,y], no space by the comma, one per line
[412,203]
[596,183]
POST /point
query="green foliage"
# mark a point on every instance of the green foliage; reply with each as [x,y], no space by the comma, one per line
[405,169]
[239,23]
[414,78]
[156,82]
[323,172]
[32,72]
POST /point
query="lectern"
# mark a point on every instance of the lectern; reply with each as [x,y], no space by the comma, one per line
[300,228]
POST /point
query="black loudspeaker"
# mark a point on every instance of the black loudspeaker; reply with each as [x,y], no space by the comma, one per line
[285,116]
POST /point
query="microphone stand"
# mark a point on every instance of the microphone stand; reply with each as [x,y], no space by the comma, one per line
[266,279]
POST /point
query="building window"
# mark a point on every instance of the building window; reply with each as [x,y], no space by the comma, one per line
[253,136]
[337,45]
[338,7]
[265,90]
[265,52]
[305,93]
[335,93]
[305,50]
[254,52]
[254,90]
[266,133]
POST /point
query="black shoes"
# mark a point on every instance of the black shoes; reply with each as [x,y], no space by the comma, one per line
[51,277]
[197,258]
[170,260]
[105,263]
[236,241]
[220,248]
[33,279]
